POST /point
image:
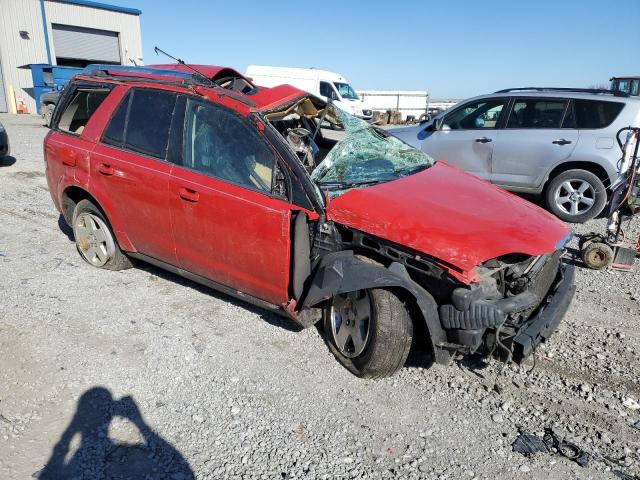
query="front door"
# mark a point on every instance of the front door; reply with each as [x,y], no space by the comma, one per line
[227,225]
[532,143]
[467,135]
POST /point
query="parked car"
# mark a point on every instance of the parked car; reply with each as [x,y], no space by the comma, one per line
[328,85]
[558,143]
[378,242]
[48,103]
[4,142]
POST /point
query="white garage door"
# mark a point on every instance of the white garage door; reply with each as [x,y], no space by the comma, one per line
[86,44]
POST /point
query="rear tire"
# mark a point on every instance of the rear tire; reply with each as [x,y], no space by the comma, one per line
[382,348]
[576,196]
[95,240]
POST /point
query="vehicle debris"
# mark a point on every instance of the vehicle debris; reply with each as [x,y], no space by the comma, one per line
[529,444]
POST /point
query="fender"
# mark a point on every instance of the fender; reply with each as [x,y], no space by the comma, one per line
[102,200]
[342,272]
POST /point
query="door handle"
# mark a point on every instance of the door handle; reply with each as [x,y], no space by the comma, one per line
[189,195]
[483,140]
[106,169]
[561,141]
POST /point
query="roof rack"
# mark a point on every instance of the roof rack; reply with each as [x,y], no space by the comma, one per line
[172,77]
[135,73]
[615,93]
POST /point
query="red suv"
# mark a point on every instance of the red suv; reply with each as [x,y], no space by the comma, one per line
[236,187]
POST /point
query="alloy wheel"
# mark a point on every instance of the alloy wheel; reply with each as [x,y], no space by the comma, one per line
[93,239]
[351,322]
[575,197]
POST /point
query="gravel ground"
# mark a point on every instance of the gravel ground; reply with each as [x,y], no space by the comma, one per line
[114,374]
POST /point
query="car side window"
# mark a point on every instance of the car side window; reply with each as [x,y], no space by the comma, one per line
[80,109]
[534,113]
[586,114]
[219,143]
[326,90]
[114,133]
[473,116]
[148,122]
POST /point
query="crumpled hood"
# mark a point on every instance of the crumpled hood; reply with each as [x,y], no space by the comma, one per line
[450,215]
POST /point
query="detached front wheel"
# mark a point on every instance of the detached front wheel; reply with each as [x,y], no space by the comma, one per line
[369,332]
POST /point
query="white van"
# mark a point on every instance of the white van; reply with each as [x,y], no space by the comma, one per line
[317,82]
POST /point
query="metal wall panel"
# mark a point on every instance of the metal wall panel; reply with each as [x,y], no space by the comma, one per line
[86,43]
[16,52]
[3,97]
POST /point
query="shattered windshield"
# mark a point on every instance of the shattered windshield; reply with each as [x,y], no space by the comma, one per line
[346,91]
[366,156]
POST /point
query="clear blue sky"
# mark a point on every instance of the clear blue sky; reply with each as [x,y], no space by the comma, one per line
[452,49]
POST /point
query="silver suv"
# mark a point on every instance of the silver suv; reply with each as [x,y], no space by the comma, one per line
[556,142]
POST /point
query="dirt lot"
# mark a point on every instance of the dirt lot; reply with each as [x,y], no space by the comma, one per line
[112,374]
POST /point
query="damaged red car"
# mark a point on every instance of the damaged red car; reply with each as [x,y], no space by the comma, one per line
[237,187]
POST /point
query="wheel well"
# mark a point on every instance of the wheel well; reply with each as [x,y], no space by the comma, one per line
[597,170]
[70,198]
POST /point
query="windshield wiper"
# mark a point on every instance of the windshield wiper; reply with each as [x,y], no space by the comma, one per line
[345,185]
[405,172]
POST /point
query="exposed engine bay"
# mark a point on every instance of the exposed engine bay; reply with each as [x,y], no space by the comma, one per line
[299,125]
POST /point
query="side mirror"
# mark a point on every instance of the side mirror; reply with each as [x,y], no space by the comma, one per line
[436,125]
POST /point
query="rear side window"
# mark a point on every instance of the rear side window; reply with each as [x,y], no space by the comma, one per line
[78,112]
[114,134]
[141,122]
[535,113]
[148,123]
[587,114]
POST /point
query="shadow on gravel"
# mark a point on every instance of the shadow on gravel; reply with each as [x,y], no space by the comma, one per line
[269,317]
[65,228]
[7,161]
[98,456]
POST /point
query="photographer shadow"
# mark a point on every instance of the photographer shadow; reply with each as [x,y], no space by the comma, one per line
[98,456]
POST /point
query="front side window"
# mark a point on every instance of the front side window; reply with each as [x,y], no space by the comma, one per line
[326,90]
[533,113]
[82,106]
[221,144]
[478,115]
[345,91]
[587,114]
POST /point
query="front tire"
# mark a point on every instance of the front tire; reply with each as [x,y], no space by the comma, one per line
[576,196]
[369,332]
[95,240]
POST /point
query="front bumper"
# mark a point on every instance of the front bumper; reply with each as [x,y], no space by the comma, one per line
[469,321]
[542,324]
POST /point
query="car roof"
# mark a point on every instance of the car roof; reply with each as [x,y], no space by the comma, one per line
[561,93]
[260,99]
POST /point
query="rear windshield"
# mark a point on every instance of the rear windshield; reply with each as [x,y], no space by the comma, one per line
[591,114]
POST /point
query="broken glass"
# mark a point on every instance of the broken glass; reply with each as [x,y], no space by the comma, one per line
[366,156]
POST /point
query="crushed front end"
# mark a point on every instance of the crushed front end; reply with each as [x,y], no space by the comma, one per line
[517,304]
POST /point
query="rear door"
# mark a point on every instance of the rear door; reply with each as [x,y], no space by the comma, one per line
[129,166]
[532,142]
[227,224]
[467,136]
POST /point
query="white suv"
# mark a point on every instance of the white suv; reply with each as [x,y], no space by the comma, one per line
[559,143]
